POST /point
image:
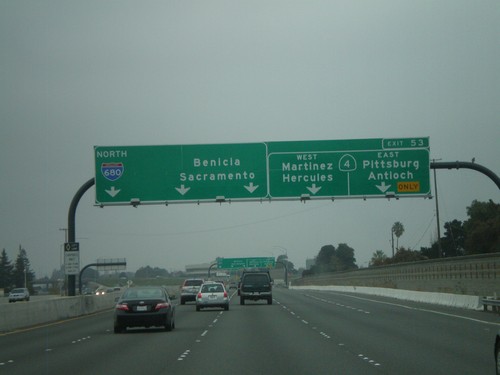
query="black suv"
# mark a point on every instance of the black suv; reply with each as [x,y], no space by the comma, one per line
[255,286]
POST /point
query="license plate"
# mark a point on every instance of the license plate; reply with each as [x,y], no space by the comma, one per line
[212,297]
[142,308]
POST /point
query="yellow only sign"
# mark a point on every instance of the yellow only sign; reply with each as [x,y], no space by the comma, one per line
[409,187]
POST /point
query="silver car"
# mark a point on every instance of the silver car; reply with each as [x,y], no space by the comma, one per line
[189,289]
[212,295]
[19,294]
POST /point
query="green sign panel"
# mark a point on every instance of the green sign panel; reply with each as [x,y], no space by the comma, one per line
[359,168]
[254,171]
[237,263]
[162,174]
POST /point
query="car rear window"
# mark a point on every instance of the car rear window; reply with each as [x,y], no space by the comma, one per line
[143,293]
[193,282]
[256,279]
[212,288]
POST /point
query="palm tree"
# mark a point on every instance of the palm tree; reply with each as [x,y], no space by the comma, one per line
[378,258]
[397,230]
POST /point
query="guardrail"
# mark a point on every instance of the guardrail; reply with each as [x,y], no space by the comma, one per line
[494,303]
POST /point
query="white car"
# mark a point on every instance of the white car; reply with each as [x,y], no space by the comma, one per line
[19,294]
[212,295]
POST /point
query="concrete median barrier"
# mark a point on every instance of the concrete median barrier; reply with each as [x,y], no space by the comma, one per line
[28,314]
[445,299]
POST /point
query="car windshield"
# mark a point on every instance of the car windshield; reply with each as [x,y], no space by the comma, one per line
[17,291]
[193,283]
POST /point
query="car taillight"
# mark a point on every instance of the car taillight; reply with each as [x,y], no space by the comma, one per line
[122,306]
[225,294]
[162,305]
[199,295]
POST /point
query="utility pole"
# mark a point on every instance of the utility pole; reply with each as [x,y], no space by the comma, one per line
[392,241]
[440,250]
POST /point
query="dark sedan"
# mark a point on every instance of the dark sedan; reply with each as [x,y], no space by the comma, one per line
[497,353]
[145,306]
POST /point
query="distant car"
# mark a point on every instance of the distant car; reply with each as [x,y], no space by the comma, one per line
[100,292]
[189,289]
[212,295]
[497,353]
[144,306]
[19,294]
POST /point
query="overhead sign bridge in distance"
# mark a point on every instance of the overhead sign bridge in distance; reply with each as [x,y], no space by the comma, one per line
[165,174]
[239,263]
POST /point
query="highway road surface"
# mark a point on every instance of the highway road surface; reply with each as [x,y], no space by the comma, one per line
[302,332]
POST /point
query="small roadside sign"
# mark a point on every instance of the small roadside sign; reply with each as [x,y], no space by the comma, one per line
[71,258]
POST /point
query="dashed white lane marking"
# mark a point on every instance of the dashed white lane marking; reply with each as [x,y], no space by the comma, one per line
[184,355]
[371,361]
[338,304]
[198,340]
[324,334]
[77,341]
[80,340]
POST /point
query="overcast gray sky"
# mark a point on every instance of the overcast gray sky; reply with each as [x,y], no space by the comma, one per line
[75,74]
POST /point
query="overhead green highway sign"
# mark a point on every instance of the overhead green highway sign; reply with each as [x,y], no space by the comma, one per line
[238,263]
[363,168]
[162,174]
[357,168]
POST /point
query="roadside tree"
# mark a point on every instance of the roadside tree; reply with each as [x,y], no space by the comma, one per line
[398,230]
[345,255]
[6,269]
[22,275]
[378,258]
[482,228]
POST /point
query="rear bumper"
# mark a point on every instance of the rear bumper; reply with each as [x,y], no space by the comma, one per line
[188,296]
[16,299]
[212,303]
[208,304]
[142,320]
[256,295]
